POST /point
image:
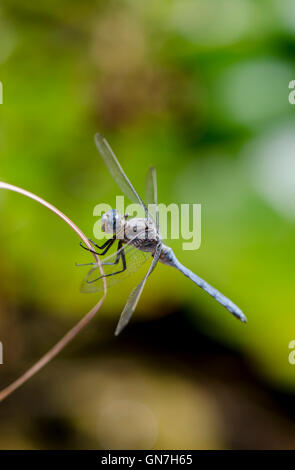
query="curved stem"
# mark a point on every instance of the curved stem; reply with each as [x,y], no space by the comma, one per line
[72,333]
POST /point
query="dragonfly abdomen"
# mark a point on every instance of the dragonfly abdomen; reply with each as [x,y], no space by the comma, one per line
[168,257]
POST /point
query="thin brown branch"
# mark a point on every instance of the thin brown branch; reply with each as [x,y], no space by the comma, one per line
[72,333]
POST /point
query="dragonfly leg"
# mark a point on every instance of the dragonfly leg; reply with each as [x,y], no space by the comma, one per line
[97,246]
[105,247]
[120,254]
[85,264]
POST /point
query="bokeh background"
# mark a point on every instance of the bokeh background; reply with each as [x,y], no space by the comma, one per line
[198,88]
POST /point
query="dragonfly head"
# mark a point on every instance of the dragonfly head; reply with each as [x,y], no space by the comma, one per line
[111,221]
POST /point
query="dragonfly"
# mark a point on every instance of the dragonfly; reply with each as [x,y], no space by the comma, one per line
[137,240]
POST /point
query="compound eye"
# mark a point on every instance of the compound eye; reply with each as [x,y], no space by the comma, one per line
[135,228]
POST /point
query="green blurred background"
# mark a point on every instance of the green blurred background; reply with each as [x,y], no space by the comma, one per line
[198,88]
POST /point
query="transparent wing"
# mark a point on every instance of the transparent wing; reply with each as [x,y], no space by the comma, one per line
[134,260]
[152,193]
[135,294]
[116,170]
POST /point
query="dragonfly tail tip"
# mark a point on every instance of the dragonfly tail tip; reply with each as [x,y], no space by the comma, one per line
[242,317]
[119,329]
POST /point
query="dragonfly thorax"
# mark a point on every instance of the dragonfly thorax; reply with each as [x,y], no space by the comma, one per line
[141,228]
[142,234]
